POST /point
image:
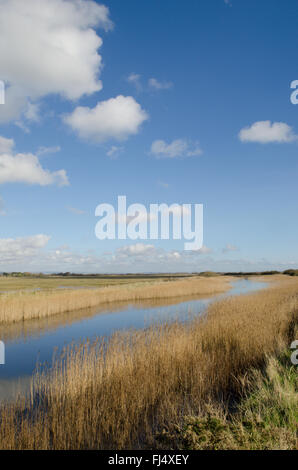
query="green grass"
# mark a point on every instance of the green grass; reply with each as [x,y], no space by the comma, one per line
[19,283]
[266,417]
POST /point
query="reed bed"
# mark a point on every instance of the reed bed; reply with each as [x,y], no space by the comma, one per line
[124,392]
[36,327]
[22,306]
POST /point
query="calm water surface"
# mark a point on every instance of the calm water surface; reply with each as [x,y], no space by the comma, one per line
[35,341]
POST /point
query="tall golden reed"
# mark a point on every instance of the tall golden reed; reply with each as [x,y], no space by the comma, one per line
[119,394]
[21,306]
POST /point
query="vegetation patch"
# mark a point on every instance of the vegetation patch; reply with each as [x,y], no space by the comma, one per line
[266,417]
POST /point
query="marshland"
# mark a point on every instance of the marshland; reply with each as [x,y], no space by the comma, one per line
[31,302]
[148,209]
[197,362]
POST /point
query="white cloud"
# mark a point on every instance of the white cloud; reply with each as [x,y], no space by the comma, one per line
[28,254]
[136,249]
[47,150]
[49,47]
[152,83]
[204,250]
[157,85]
[25,168]
[13,250]
[177,148]
[21,124]
[114,151]
[116,118]
[135,79]
[152,254]
[32,112]
[6,145]
[265,132]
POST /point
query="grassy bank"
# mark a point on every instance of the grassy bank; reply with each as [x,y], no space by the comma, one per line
[264,418]
[19,306]
[150,381]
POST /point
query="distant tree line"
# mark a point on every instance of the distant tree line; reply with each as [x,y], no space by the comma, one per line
[289,272]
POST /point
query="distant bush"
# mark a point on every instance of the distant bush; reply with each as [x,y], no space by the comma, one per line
[291,272]
[208,274]
[253,273]
[269,273]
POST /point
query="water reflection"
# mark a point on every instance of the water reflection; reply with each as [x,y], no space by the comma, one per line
[36,340]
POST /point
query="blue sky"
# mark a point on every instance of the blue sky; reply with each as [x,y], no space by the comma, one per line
[174,102]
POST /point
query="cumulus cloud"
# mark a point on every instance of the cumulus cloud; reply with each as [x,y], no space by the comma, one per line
[29,254]
[25,168]
[154,254]
[136,250]
[13,250]
[177,148]
[116,118]
[157,85]
[265,132]
[49,47]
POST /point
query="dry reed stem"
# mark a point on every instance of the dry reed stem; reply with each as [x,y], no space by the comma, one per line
[25,306]
[118,394]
